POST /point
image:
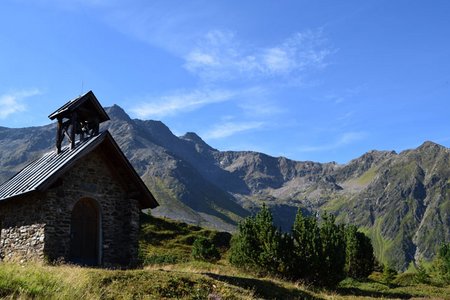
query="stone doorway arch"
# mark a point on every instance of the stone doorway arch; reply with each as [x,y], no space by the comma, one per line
[85,233]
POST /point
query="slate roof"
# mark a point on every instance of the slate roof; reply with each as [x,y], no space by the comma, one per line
[43,172]
[86,104]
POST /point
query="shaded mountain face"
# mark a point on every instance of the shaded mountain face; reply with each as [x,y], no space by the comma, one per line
[19,146]
[402,201]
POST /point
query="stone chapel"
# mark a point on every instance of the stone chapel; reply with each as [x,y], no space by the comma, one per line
[79,203]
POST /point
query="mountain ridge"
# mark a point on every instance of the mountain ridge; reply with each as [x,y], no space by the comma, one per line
[401,200]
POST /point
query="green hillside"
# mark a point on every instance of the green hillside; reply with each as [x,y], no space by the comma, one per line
[169,272]
[401,200]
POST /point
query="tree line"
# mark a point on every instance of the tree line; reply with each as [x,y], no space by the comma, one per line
[318,252]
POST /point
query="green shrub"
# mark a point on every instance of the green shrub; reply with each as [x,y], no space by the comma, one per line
[311,253]
[307,244]
[389,275]
[441,264]
[421,275]
[244,250]
[221,239]
[333,252]
[204,249]
[161,259]
[360,260]
[257,244]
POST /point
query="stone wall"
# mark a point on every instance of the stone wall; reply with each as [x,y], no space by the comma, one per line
[22,225]
[93,178]
[38,226]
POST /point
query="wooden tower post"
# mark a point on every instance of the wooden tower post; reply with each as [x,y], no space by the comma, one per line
[78,119]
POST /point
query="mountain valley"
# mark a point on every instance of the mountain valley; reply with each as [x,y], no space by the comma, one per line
[400,200]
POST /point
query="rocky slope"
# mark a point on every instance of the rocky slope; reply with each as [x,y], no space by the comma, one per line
[401,200]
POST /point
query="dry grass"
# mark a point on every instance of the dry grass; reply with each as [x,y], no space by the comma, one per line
[189,280]
[186,278]
[70,282]
[39,281]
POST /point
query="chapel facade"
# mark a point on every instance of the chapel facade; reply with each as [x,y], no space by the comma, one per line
[79,203]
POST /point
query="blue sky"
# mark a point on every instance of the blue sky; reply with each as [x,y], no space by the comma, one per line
[309,80]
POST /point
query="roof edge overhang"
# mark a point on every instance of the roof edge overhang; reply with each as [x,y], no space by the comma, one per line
[77,102]
[144,196]
[45,184]
[146,199]
[12,198]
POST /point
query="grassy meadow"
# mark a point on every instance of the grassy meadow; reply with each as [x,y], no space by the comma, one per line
[169,272]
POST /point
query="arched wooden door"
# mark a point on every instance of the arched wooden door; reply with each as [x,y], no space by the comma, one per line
[85,233]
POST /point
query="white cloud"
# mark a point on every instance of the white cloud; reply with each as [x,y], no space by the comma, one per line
[180,102]
[258,102]
[251,101]
[345,139]
[11,103]
[350,137]
[277,60]
[173,28]
[201,59]
[230,128]
[210,54]
[219,55]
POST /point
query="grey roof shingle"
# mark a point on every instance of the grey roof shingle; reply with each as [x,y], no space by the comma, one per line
[41,173]
[33,176]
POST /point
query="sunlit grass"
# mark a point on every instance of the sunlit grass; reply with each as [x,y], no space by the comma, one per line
[189,279]
[43,282]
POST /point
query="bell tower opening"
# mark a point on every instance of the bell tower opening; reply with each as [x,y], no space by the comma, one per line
[79,118]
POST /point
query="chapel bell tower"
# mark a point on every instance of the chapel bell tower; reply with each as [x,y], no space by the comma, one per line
[78,119]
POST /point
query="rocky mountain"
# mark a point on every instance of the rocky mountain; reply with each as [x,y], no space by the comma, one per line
[402,201]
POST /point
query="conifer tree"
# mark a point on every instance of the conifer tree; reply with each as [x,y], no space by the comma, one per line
[421,275]
[333,251]
[389,274]
[307,247]
[359,257]
[244,245]
[442,263]
[318,254]
[269,239]
[258,243]
[286,255]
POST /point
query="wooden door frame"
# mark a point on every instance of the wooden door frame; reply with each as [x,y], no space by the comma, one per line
[99,226]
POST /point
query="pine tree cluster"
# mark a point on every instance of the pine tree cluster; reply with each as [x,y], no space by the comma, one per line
[442,263]
[320,253]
